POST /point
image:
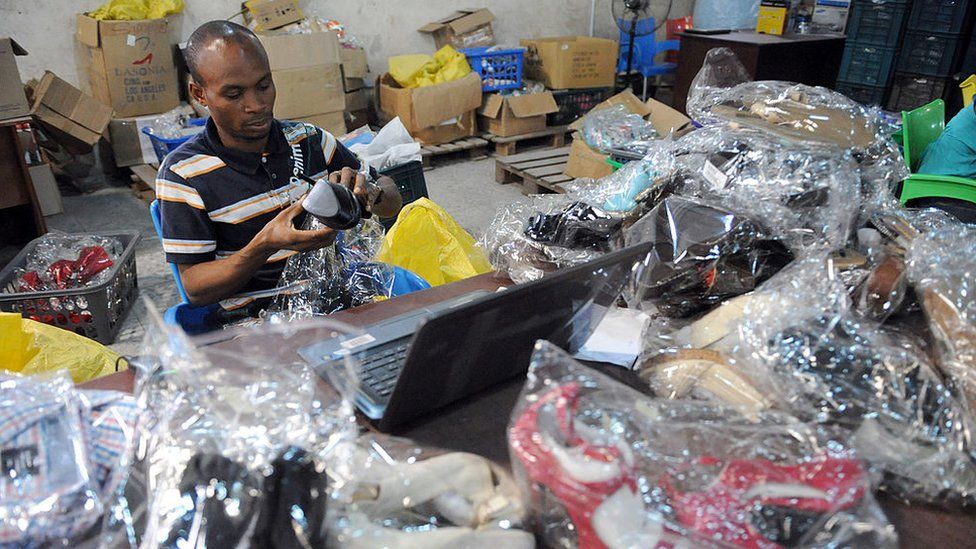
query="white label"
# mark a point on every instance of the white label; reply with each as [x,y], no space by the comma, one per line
[358,341]
[130,40]
[715,176]
[450,122]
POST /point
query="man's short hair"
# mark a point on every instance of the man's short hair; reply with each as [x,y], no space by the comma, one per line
[213,30]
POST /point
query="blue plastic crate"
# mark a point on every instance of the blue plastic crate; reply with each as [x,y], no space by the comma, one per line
[163,146]
[948,16]
[499,69]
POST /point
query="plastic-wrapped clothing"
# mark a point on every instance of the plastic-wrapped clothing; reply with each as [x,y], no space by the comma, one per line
[522,259]
[703,254]
[604,465]
[615,126]
[579,225]
[419,70]
[806,194]
[394,493]
[722,92]
[828,366]
[61,261]
[427,241]
[31,348]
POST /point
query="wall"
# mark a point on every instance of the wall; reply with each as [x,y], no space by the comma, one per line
[386,27]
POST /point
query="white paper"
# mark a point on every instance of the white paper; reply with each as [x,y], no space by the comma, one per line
[392,146]
[618,339]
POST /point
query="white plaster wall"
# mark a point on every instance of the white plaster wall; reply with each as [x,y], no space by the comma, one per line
[386,27]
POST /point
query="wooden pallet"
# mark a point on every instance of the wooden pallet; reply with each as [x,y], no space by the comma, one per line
[554,137]
[536,172]
[470,147]
[144,182]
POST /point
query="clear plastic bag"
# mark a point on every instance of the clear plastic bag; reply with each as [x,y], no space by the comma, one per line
[237,439]
[515,254]
[49,489]
[723,92]
[327,280]
[703,254]
[396,494]
[806,194]
[61,261]
[600,464]
[942,267]
[615,126]
[174,124]
[828,366]
[635,184]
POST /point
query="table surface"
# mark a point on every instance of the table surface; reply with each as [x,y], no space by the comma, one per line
[478,424]
[759,39]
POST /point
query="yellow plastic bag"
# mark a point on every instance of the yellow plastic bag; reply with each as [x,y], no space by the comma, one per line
[133,10]
[427,241]
[28,347]
[419,70]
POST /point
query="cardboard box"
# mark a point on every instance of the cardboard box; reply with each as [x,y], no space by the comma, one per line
[295,51]
[130,146]
[462,29]
[46,189]
[516,115]
[309,90]
[13,100]
[772,16]
[71,115]
[357,100]
[272,14]
[831,16]
[464,125]
[354,63]
[129,64]
[430,106]
[585,162]
[571,62]
[332,122]
[353,84]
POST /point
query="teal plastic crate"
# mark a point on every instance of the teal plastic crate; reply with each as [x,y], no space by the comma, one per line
[866,64]
[878,24]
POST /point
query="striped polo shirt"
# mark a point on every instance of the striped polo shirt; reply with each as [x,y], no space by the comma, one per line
[213,200]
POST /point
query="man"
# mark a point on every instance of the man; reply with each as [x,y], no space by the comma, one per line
[230,196]
[954,152]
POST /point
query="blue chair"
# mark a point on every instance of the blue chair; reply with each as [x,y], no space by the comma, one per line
[201,319]
[646,48]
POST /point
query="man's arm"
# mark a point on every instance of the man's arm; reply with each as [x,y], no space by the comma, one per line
[213,281]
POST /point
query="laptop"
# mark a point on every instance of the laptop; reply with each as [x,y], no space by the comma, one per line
[413,364]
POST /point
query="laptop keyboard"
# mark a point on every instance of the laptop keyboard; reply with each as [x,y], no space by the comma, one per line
[380,367]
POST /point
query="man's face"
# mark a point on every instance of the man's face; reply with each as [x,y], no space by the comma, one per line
[237,88]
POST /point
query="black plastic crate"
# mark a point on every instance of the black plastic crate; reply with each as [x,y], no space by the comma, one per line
[409,178]
[866,95]
[575,103]
[946,16]
[928,53]
[878,24]
[867,64]
[95,312]
[909,91]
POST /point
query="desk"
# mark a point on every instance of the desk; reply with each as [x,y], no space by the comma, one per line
[804,58]
[478,425]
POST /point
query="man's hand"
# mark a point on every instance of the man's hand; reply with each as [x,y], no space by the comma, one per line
[280,233]
[390,201]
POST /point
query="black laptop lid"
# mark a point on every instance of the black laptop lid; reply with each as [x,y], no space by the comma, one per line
[468,349]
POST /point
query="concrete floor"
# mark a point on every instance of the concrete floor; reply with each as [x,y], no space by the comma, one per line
[466,189]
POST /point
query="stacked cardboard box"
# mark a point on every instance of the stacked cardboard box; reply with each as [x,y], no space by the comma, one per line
[434,114]
[76,120]
[462,29]
[13,101]
[507,116]
[354,72]
[571,62]
[308,77]
[129,64]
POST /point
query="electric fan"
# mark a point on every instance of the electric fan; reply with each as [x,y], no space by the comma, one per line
[639,18]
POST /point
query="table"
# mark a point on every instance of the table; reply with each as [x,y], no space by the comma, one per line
[478,424]
[804,58]
[20,211]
